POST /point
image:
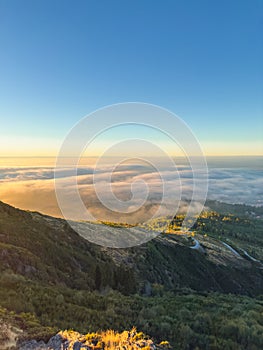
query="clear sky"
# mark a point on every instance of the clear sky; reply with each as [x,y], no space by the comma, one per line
[60,60]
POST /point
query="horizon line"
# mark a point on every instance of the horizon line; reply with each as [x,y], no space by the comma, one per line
[177,156]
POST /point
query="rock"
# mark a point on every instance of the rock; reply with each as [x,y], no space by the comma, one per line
[33,345]
[77,345]
[55,342]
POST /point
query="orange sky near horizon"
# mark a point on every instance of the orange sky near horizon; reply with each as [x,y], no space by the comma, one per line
[35,147]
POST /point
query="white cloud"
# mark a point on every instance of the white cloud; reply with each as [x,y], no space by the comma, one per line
[33,187]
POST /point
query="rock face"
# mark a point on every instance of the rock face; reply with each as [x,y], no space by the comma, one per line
[55,343]
[109,340]
[34,345]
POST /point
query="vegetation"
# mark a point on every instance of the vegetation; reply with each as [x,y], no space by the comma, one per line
[52,279]
[112,340]
[187,320]
[115,224]
[241,232]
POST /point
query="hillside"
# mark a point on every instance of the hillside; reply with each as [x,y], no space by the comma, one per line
[46,249]
[49,273]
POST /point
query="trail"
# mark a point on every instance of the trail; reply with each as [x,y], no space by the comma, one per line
[232,249]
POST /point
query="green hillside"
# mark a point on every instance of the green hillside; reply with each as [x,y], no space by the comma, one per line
[53,279]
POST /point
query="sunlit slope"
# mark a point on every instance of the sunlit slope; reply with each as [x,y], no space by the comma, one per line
[46,249]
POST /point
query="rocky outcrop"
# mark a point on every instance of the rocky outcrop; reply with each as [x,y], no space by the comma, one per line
[109,340]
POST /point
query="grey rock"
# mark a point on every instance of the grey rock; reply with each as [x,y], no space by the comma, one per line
[55,342]
[77,345]
[33,345]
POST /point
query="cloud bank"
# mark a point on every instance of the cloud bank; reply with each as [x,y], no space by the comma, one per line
[32,188]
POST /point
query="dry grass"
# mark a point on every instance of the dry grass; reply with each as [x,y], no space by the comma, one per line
[112,340]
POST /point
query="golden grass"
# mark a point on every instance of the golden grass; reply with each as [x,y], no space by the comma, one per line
[112,340]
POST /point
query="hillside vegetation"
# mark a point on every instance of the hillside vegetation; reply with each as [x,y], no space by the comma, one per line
[52,279]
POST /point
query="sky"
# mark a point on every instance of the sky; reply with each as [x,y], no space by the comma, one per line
[60,60]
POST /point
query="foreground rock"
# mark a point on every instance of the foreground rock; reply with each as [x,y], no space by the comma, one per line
[109,340]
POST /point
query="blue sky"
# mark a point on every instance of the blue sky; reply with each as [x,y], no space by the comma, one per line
[60,60]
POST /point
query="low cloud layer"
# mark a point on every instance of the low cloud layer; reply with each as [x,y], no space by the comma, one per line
[32,188]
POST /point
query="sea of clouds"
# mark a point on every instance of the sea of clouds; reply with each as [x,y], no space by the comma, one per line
[233,181]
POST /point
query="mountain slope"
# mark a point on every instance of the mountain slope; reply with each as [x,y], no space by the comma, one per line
[53,279]
[46,249]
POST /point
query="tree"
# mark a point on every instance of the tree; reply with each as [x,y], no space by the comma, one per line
[98,279]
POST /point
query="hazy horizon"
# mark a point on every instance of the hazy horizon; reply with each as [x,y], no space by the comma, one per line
[30,185]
